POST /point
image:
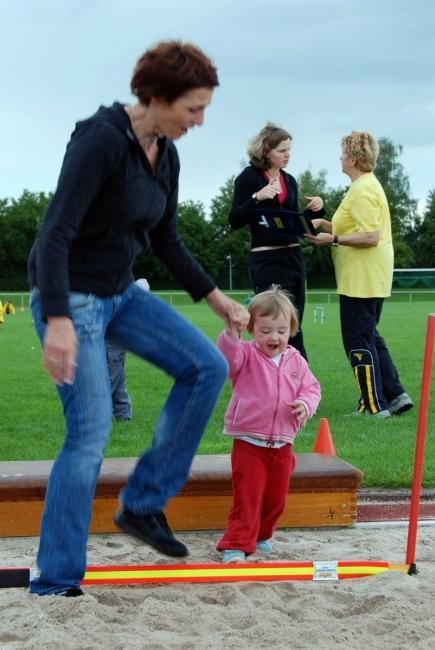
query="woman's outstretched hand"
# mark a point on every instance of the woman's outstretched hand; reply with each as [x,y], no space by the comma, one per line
[324,238]
[321,239]
[234,315]
[315,203]
[60,350]
[322,224]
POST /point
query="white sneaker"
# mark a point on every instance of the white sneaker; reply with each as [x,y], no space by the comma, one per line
[400,404]
[233,557]
[264,546]
[380,414]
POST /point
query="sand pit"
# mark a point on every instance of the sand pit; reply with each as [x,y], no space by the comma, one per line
[391,610]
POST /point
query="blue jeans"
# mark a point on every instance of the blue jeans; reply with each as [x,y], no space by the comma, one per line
[146,326]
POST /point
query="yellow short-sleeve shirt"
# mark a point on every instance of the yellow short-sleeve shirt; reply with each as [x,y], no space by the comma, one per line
[364,272]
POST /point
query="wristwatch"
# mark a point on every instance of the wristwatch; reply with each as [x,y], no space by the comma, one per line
[254,196]
[335,241]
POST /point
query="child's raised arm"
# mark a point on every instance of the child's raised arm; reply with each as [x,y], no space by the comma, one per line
[232,347]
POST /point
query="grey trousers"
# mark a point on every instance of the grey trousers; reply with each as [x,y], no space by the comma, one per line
[121,403]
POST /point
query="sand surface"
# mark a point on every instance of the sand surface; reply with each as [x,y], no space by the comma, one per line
[392,610]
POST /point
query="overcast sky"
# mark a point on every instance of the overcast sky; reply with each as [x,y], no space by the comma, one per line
[319,68]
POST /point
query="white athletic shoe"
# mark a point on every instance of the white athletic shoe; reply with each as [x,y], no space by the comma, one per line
[400,404]
[233,557]
[264,546]
[379,414]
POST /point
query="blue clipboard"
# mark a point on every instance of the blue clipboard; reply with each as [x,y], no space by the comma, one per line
[291,223]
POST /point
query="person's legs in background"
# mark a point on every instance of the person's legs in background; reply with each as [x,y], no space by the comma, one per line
[359,317]
[398,401]
[286,267]
[121,402]
[296,287]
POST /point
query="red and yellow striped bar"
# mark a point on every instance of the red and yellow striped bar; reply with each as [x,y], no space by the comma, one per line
[243,572]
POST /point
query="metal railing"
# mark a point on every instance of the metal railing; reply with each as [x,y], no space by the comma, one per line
[313,296]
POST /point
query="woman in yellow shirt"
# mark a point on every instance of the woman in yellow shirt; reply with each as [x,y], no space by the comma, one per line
[363,256]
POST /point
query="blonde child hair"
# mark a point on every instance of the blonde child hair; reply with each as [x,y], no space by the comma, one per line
[273,302]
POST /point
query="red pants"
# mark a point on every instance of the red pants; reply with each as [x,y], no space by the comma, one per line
[261,477]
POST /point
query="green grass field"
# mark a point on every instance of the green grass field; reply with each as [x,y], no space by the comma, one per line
[31,423]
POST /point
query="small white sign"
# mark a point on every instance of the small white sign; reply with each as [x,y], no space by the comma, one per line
[34,573]
[325,570]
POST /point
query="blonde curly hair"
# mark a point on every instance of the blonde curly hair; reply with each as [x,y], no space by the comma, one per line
[362,146]
[261,144]
[274,302]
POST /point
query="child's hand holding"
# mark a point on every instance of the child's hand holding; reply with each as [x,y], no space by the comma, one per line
[300,411]
[233,334]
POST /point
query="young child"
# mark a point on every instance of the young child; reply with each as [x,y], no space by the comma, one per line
[274,393]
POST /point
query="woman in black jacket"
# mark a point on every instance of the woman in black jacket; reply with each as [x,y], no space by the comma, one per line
[276,255]
[116,195]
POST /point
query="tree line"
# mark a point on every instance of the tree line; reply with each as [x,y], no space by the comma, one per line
[222,252]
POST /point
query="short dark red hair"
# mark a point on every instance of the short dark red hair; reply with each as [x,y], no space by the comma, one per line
[170,69]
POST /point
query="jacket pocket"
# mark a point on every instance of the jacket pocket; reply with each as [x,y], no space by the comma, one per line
[87,315]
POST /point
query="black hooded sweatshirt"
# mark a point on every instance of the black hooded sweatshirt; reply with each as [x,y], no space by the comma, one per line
[108,206]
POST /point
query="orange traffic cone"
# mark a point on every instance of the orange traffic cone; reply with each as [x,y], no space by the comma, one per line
[324,443]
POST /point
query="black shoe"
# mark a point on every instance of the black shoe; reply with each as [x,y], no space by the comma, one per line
[123,418]
[151,529]
[72,592]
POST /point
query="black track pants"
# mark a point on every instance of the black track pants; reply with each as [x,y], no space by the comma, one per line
[375,373]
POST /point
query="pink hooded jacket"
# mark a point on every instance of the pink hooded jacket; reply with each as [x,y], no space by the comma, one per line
[263,391]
